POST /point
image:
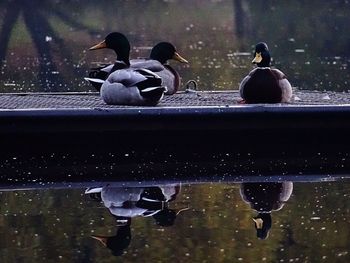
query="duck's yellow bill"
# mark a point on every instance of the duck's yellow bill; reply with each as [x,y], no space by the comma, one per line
[257,59]
[99,46]
[103,240]
[259,223]
[179,58]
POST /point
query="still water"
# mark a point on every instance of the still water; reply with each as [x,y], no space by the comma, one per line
[302,222]
[44,43]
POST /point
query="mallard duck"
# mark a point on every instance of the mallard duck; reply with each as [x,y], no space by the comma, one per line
[265,84]
[163,52]
[157,62]
[125,85]
[265,198]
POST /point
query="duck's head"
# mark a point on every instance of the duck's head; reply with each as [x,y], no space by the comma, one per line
[164,51]
[262,56]
[117,42]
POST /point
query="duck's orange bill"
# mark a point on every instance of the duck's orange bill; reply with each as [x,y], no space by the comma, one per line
[99,46]
[103,240]
[179,58]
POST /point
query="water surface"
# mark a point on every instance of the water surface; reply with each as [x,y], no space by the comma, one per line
[310,223]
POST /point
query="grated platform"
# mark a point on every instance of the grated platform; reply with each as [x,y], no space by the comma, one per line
[181,100]
[76,137]
[215,118]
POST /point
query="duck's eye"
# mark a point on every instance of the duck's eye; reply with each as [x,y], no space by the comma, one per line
[258,58]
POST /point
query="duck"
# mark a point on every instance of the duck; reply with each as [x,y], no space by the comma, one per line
[157,62]
[264,198]
[162,53]
[265,84]
[125,85]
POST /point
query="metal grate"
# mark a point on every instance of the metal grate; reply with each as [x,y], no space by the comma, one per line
[183,99]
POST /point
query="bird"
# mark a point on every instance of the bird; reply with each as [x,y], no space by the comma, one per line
[265,84]
[157,62]
[125,85]
[264,198]
[161,53]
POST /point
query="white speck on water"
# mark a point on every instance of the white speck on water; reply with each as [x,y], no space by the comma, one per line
[315,218]
[299,50]
[9,84]
[48,39]
[238,53]
[342,254]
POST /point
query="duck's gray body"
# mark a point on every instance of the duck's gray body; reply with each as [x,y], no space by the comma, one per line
[170,77]
[122,87]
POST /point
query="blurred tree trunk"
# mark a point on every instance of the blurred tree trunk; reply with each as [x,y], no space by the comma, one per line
[239,18]
[10,18]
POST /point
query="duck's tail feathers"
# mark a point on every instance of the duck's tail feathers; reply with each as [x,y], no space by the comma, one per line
[151,89]
[152,81]
[153,94]
[93,190]
[100,73]
[95,80]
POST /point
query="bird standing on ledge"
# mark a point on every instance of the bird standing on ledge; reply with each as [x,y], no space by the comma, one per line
[265,84]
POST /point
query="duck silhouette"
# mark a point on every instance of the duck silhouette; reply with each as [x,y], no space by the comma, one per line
[265,198]
[125,203]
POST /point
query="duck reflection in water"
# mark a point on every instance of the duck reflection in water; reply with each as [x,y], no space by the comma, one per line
[124,203]
[265,198]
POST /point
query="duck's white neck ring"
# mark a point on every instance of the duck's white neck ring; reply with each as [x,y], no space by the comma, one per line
[263,67]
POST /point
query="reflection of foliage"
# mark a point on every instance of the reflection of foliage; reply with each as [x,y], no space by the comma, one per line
[56,224]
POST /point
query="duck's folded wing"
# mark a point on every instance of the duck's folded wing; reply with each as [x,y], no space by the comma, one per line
[286,87]
[151,79]
[150,64]
[242,85]
[128,78]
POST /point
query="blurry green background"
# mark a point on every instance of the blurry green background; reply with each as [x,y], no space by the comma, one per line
[43,43]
